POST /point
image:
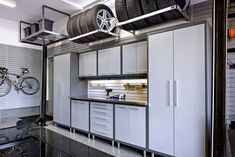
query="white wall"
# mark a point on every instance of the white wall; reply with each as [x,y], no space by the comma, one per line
[9,34]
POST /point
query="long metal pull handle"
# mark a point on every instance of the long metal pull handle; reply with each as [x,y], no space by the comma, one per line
[170,99]
[176,93]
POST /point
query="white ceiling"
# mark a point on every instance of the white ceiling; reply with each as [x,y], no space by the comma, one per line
[29,10]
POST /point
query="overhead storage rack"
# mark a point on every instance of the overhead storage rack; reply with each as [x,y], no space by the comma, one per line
[43,36]
[115,24]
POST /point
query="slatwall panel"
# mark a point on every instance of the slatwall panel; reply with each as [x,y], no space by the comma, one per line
[230,97]
[16,58]
[98,89]
[199,12]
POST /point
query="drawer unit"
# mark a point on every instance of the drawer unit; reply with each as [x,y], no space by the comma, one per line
[101,121]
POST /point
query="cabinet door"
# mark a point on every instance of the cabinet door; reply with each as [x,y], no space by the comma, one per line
[115,61]
[103,62]
[122,123]
[82,64]
[129,59]
[138,126]
[160,93]
[91,63]
[142,52]
[62,89]
[190,107]
[80,115]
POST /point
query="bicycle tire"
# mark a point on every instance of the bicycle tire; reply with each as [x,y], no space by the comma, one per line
[24,89]
[6,82]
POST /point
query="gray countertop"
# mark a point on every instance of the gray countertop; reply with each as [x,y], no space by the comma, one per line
[113,101]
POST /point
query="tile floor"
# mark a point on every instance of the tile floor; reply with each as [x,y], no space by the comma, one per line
[98,144]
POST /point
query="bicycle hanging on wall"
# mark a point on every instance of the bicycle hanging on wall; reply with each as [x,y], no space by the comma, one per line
[29,85]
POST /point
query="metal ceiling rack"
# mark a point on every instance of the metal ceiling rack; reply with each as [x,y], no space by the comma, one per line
[43,38]
[114,22]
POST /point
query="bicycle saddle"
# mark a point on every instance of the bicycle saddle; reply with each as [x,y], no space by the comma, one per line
[3,69]
[25,70]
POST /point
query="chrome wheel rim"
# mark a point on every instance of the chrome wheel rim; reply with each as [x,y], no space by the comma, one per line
[102,19]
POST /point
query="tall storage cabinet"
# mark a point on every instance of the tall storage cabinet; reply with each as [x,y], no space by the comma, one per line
[66,84]
[179,90]
[62,89]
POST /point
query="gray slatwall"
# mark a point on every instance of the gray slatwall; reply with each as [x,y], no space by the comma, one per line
[118,88]
[230,106]
[14,58]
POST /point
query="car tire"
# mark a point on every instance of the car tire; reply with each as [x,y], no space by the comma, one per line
[70,30]
[134,9]
[170,14]
[122,15]
[84,26]
[94,22]
[149,6]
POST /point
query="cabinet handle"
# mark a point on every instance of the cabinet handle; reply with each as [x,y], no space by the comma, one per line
[97,107]
[176,92]
[170,92]
[100,118]
[100,125]
[133,108]
[121,107]
[104,113]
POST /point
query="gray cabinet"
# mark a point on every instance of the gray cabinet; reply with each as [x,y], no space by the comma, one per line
[135,58]
[66,84]
[80,115]
[109,61]
[130,125]
[88,64]
[61,107]
[101,122]
[178,93]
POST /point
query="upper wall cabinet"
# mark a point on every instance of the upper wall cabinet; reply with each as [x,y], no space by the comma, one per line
[135,58]
[109,61]
[88,64]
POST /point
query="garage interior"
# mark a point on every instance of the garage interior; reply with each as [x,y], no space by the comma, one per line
[117,78]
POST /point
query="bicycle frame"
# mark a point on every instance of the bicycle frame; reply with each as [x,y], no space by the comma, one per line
[17,82]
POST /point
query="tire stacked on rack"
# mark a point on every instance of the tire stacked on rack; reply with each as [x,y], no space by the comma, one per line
[128,9]
[88,21]
[171,14]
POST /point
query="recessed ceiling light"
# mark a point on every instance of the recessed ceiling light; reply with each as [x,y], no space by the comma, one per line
[9,3]
[73,4]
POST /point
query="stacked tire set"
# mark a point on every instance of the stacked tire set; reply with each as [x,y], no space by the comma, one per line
[92,19]
[98,17]
[128,9]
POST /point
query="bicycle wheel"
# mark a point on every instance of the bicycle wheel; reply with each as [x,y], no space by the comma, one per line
[30,85]
[5,85]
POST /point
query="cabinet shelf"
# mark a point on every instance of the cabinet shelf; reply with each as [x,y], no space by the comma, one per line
[231,50]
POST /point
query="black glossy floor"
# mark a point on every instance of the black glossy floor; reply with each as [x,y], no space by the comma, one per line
[40,142]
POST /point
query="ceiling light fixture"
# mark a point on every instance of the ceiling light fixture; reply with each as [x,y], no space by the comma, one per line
[9,3]
[73,4]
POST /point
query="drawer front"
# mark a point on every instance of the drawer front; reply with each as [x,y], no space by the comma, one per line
[80,102]
[102,109]
[101,131]
[101,105]
[103,125]
[106,119]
